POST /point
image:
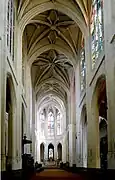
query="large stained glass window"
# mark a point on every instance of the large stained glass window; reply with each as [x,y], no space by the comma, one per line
[59,119]
[10,27]
[82,69]
[42,123]
[50,123]
[97,30]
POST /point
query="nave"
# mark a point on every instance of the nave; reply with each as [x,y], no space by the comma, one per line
[57,87]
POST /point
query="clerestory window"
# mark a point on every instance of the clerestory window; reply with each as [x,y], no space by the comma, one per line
[82,69]
[10,28]
[97,30]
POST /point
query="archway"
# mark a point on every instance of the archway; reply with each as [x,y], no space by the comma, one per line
[84,136]
[59,152]
[102,106]
[99,111]
[10,111]
[51,152]
[42,149]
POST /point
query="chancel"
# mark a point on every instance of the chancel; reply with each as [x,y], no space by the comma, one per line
[57,88]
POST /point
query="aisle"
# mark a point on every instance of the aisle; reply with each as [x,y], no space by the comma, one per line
[56,174]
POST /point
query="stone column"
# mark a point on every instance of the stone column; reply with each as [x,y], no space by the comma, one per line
[0,97]
[72,151]
[78,114]
[46,125]
[3,112]
[55,135]
[38,153]
[33,122]
[64,149]
[18,57]
[30,103]
[2,85]
[46,152]
[109,33]
[92,137]
[55,151]
[36,134]
[72,126]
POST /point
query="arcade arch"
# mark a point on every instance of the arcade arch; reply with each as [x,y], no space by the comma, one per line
[59,152]
[42,150]
[99,112]
[10,121]
[51,152]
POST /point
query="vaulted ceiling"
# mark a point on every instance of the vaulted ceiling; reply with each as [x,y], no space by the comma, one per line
[83,7]
[52,28]
[52,41]
[51,64]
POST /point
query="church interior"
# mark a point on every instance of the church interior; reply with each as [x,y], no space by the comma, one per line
[57,89]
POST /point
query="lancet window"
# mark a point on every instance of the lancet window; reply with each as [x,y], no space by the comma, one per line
[10,27]
[42,121]
[59,119]
[50,123]
[82,69]
[97,30]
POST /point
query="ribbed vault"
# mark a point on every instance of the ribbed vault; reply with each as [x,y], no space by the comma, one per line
[52,69]
[53,33]
[51,64]
[52,28]
[27,9]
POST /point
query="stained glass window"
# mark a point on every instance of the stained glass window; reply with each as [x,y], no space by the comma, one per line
[82,69]
[59,117]
[10,27]
[42,123]
[50,123]
[97,30]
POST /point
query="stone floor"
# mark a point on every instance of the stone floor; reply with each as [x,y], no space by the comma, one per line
[55,174]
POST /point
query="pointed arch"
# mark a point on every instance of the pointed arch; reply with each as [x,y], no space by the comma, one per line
[99,116]
[10,120]
[62,7]
[59,151]
[42,150]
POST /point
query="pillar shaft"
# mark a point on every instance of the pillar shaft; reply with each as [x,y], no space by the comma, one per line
[64,149]
[2,84]
[72,145]
[92,134]
[109,32]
